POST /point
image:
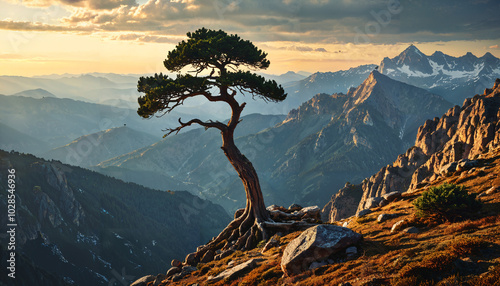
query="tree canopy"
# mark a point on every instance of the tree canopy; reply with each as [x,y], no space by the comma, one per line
[214,52]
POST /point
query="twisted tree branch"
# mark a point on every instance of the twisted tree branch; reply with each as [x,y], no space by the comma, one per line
[210,124]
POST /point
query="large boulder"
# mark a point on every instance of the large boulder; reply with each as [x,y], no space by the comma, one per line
[191,259]
[173,270]
[373,202]
[315,244]
[392,196]
[208,256]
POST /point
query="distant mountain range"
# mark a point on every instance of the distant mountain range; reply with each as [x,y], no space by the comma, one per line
[78,227]
[327,82]
[59,121]
[87,87]
[454,78]
[11,139]
[103,88]
[90,150]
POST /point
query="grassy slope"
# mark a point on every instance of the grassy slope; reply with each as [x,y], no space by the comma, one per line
[454,253]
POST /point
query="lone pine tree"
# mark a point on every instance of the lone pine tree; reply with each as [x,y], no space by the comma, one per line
[219,56]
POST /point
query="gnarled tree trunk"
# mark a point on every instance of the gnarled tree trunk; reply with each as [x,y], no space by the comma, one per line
[245,231]
[255,202]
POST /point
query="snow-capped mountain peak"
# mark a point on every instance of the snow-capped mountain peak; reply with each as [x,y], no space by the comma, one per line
[441,73]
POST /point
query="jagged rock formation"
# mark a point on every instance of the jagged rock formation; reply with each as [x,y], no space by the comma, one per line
[463,133]
[343,204]
[442,145]
[56,178]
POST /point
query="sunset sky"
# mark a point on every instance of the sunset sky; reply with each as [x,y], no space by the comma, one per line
[39,37]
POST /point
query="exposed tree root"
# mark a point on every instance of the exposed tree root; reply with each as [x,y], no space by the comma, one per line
[245,232]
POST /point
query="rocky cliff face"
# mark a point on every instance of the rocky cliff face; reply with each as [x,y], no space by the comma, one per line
[442,145]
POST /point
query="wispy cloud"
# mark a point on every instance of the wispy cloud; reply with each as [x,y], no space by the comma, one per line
[30,26]
[147,38]
[302,48]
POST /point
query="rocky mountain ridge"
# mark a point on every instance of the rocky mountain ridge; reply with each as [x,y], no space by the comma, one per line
[442,146]
[327,82]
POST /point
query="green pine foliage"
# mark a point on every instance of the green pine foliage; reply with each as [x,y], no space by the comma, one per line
[208,51]
[446,202]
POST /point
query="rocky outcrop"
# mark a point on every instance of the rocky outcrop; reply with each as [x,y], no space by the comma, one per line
[343,204]
[66,201]
[391,178]
[47,209]
[443,145]
[314,245]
